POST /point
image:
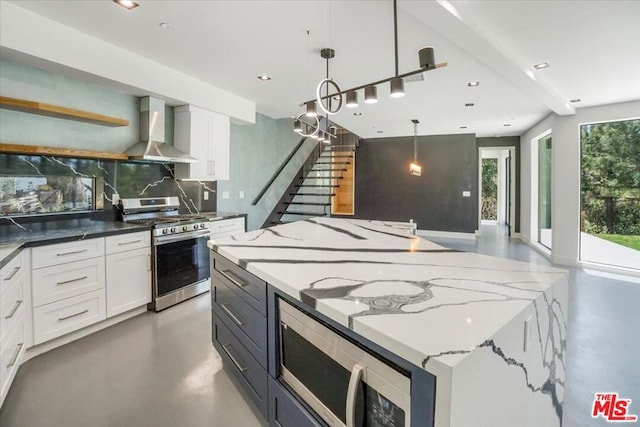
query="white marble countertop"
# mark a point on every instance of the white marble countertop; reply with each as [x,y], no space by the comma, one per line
[419,300]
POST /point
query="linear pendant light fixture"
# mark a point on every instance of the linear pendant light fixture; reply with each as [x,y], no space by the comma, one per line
[324,102]
[414,168]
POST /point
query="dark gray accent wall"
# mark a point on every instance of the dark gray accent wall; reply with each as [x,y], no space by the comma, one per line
[507,141]
[386,191]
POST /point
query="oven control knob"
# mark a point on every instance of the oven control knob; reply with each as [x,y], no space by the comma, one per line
[195,226]
[165,231]
[185,228]
[173,229]
[203,225]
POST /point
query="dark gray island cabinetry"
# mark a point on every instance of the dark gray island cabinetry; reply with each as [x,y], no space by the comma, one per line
[346,322]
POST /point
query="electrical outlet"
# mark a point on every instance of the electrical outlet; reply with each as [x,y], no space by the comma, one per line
[225,194]
[466,194]
[206,195]
[241,194]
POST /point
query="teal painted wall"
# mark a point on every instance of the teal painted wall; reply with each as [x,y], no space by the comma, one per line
[21,81]
[256,152]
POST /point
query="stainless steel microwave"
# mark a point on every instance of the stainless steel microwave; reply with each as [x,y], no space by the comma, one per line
[345,385]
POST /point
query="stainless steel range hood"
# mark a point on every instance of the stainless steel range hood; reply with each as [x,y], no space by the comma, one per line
[152,146]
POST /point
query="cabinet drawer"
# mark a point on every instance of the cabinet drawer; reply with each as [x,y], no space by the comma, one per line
[233,225]
[59,318]
[45,256]
[127,242]
[249,326]
[11,305]
[52,284]
[11,272]
[285,410]
[11,353]
[249,287]
[240,364]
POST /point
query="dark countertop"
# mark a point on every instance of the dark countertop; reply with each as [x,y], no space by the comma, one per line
[14,237]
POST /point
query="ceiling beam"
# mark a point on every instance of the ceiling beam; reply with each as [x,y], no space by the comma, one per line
[452,23]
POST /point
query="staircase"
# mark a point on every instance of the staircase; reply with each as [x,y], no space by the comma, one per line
[309,194]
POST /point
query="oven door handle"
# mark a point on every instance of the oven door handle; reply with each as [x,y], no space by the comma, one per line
[352,392]
[178,237]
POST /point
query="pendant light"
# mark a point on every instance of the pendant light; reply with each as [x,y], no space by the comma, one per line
[414,168]
[370,94]
[352,99]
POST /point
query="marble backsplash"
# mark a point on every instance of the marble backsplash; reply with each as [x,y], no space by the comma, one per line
[127,179]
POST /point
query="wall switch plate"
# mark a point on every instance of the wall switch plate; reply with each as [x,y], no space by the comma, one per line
[241,194]
[206,195]
[466,194]
[225,194]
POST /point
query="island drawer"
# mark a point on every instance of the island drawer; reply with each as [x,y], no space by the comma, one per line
[250,288]
[127,242]
[249,326]
[232,225]
[45,256]
[59,318]
[240,364]
[55,283]
[286,411]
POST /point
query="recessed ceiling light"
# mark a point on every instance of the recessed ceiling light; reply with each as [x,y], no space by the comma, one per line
[575,100]
[506,124]
[541,65]
[357,113]
[264,77]
[164,25]
[463,127]
[469,104]
[473,84]
[127,4]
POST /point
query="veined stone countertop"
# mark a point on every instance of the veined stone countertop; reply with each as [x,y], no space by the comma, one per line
[441,309]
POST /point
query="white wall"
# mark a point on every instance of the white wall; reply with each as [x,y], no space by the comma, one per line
[565,175]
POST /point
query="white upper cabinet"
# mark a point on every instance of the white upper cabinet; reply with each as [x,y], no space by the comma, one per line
[204,135]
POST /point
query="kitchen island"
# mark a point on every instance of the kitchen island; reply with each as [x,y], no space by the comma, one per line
[491,331]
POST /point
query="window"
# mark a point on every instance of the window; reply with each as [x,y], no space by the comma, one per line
[610,193]
[28,195]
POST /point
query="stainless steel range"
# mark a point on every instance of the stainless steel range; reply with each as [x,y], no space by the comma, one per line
[179,247]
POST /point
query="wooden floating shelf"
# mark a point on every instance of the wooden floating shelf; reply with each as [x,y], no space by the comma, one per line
[39,150]
[60,112]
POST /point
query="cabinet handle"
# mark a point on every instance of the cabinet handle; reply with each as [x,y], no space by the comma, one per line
[352,391]
[129,243]
[234,278]
[71,280]
[149,263]
[233,316]
[72,252]
[73,315]
[233,359]
[13,310]
[14,358]
[13,273]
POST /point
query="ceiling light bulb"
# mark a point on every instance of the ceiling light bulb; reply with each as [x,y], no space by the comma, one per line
[352,99]
[311,109]
[264,77]
[370,95]
[397,88]
[127,4]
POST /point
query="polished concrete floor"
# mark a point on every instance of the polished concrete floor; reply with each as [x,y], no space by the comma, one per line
[160,369]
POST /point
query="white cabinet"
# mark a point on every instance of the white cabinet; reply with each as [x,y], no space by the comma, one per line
[14,287]
[204,135]
[128,272]
[222,228]
[68,287]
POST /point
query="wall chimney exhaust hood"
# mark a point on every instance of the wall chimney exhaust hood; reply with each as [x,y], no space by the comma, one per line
[152,146]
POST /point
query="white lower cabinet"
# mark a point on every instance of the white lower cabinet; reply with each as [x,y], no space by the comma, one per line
[14,287]
[128,280]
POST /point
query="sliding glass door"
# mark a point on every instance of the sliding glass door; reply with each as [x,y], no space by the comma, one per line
[610,193]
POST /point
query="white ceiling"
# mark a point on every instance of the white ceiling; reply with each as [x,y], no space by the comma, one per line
[592,47]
